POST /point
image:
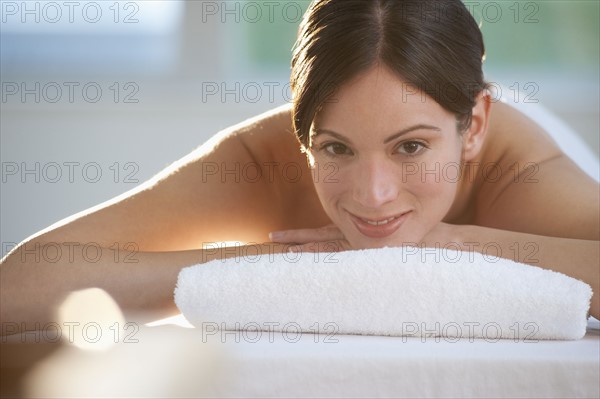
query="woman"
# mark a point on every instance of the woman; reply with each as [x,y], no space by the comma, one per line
[392,140]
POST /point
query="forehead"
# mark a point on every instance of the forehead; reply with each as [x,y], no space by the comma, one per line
[378,100]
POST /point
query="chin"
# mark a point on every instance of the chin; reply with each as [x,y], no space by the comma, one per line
[358,241]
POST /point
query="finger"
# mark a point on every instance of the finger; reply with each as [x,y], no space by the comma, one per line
[303,236]
[326,246]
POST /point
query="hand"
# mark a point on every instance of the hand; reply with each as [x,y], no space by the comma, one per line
[330,239]
[442,235]
[323,239]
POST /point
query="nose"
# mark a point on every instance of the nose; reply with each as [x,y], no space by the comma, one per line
[375,183]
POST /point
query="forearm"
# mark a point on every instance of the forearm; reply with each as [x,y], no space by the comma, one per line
[579,259]
[34,280]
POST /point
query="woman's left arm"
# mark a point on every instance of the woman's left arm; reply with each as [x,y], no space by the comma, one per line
[576,258]
[548,217]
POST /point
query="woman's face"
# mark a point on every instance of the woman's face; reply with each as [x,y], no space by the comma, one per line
[386,160]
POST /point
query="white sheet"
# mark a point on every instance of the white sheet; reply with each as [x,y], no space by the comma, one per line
[168,361]
[404,367]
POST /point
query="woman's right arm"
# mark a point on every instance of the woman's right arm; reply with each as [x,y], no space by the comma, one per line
[134,245]
[142,283]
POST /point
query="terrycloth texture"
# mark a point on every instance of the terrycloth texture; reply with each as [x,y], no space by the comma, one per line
[387,291]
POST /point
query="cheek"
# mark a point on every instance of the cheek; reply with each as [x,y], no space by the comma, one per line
[434,185]
[329,182]
[434,197]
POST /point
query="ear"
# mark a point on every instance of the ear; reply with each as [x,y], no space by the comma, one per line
[474,137]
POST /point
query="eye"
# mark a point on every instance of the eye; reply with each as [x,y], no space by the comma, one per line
[336,149]
[411,147]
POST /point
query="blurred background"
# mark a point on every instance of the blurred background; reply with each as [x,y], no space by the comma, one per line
[97,97]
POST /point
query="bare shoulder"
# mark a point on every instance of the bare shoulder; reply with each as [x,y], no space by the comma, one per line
[526,183]
[270,136]
[273,145]
[211,194]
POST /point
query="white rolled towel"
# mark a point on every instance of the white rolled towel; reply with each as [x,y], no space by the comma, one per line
[406,291]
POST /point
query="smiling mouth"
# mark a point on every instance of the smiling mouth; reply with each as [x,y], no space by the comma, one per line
[379,228]
[379,222]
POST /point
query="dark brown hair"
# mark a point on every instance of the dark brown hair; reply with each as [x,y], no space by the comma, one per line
[434,45]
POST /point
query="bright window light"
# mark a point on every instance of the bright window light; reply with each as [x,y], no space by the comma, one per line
[75,38]
[90,17]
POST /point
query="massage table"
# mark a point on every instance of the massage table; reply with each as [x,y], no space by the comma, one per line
[170,358]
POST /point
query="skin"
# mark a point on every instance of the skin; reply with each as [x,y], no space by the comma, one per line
[168,218]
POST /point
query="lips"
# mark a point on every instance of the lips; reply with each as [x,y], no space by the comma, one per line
[380,227]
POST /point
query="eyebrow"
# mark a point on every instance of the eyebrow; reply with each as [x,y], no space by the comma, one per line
[387,140]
